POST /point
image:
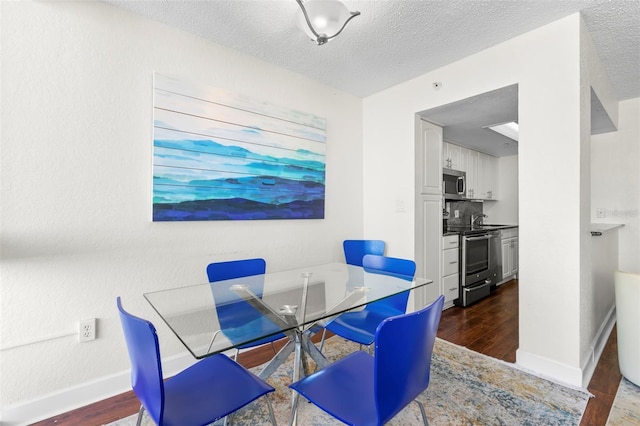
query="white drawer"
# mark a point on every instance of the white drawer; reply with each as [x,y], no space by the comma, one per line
[450,241]
[450,287]
[509,233]
[449,262]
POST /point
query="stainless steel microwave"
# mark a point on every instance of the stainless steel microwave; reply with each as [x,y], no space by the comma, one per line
[454,184]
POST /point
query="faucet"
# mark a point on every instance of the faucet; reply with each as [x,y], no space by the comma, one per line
[475,217]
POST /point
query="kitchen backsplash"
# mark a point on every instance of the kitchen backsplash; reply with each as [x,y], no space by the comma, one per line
[465,210]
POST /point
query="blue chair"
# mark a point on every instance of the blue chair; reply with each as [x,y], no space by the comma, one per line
[239,319]
[362,389]
[203,393]
[361,326]
[354,250]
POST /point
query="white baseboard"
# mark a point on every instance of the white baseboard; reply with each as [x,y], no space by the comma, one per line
[549,369]
[598,344]
[68,399]
[566,374]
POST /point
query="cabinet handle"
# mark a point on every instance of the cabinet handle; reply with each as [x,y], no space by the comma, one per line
[453,288]
[453,242]
[453,263]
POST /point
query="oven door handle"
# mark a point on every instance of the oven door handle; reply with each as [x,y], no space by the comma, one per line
[484,237]
[478,287]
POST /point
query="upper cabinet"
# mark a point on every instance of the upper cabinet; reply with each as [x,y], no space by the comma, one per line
[472,174]
[481,170]
[463,162]
[428,158]
[451,156]
[487,177]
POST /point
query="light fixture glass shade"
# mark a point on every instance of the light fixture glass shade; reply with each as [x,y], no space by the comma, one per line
[326,17]
[509,129]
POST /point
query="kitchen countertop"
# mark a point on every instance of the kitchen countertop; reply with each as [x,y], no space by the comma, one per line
[467,230]
[598,229]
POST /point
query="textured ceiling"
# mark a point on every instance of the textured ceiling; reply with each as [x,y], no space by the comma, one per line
[396,40]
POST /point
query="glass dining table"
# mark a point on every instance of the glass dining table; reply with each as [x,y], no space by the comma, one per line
[216,317]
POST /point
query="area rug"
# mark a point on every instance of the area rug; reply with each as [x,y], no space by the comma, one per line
[466,388]
[626,405]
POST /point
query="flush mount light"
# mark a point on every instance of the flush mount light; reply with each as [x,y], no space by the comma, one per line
[509,129]
[323,20]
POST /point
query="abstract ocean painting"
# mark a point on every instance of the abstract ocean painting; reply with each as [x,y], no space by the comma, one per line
[225,156]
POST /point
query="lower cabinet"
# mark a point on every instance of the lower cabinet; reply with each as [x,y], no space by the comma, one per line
[509,253]
[451,284]
[450,267]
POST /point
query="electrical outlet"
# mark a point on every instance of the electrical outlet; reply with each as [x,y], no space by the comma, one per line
[87,330]
[601,212]
[457,214]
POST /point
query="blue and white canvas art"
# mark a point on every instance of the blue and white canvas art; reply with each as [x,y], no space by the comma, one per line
[224,156]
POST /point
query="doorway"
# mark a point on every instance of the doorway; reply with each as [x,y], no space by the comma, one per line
[463,127]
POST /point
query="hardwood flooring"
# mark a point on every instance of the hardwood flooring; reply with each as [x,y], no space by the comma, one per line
[489,327]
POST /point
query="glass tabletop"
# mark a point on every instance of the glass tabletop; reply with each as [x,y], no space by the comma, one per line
[215,317]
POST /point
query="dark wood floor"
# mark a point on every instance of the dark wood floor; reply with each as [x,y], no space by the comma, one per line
[489,327]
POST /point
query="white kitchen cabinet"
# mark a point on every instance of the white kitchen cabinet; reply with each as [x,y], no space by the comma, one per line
[428,159]
[451,287]
[428,241]
[450,268]
[480,168]
[509,253]
[428,249]
[463,162]
[451,156]
[472,174]
[491,179]
[487,177]
[446,161]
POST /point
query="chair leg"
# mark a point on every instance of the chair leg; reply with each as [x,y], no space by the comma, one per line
[140,413]
[424,414]
[324,333]
[271,415]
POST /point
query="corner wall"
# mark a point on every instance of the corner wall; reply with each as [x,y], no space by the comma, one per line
[545,63]
[615,181]
[76,191]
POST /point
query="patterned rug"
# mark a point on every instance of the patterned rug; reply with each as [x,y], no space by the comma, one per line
[466,388]
[626,406]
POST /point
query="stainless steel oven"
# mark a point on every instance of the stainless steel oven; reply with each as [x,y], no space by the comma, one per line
[481,265]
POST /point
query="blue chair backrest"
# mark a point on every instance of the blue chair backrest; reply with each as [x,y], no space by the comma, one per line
[220,271]
[354,250]
[146,368]
[402,360]
[236,313]
[395,267]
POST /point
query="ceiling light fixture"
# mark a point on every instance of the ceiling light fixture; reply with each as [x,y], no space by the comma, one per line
[323,20]
[509,129]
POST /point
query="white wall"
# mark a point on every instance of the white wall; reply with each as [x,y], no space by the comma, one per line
[76,186]
[545,63]
[615,181]
[505,210]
